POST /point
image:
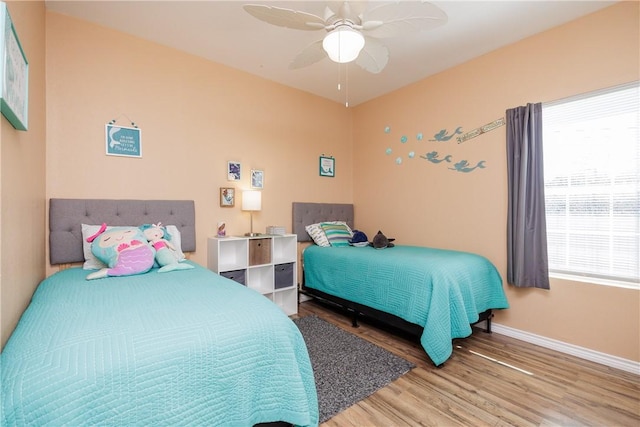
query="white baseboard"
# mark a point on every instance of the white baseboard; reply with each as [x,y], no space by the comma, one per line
[574,350]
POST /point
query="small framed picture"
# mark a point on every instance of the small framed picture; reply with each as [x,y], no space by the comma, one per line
[123,141]
[257,179]
[14,74]
[234,171]
[227,197]
[327,166]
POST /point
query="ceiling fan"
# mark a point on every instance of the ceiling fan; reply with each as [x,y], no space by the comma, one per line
[353,30]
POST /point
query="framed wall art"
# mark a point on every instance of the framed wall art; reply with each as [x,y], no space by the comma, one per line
[14,74]
[227,197]
[257,179]
[327,166]
[234,171]
[123,141]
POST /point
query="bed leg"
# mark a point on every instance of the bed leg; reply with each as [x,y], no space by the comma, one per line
[488,327]
[354,319]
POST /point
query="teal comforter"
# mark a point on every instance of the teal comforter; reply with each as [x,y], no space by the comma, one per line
[159,349]
[443,291]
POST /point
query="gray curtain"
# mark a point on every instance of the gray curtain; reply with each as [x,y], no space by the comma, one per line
[527,261]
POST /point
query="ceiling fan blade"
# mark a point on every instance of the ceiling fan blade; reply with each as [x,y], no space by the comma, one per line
[285,17]
[400,18]
[329,15]
[309,55]
[374,56]
[351,10]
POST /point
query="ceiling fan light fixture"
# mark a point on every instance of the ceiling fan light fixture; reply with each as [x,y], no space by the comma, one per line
[343,44]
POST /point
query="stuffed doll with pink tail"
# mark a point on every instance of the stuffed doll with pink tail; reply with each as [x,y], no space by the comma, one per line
[166,255]
[124,250]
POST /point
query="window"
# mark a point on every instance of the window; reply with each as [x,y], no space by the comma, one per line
[592,184]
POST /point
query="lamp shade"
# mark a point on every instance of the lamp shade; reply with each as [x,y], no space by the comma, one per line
[251,200]
[343,44]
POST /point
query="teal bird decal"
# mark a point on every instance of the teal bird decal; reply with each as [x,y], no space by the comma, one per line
[433,157]
[443,137]
[463,166]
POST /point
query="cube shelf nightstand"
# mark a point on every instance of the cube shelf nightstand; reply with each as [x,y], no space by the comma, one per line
[265,263]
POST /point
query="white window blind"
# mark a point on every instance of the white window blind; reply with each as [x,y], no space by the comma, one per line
[592,184]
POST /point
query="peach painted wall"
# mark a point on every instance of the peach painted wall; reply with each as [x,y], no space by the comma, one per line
[195,116]
[419,202]
[22,179]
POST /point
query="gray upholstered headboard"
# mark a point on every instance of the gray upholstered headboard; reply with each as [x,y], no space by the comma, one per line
[67,215]
[311,213]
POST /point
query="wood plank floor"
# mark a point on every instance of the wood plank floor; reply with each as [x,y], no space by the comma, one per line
[469,390]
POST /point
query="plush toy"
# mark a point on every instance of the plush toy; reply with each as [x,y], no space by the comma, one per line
[359,239]
[380,241]
[124,250]
[166,256]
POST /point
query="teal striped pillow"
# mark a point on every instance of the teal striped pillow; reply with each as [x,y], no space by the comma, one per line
[337,234]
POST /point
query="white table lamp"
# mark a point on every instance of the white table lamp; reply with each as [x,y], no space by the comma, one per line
[252,202]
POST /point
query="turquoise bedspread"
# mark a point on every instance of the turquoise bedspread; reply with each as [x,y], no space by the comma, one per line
[160,349]
[440,290]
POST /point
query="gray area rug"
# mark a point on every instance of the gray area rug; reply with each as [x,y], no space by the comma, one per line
[347,368]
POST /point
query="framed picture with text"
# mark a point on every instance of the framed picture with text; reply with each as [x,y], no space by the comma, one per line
[123,141]
[327,166]
[14,74]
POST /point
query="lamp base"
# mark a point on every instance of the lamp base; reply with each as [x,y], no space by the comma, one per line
[251,234]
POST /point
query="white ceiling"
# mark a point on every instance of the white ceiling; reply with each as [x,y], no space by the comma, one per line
[223,32]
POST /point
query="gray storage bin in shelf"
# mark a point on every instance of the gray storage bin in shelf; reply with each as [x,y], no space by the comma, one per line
[283,275]
[236,275]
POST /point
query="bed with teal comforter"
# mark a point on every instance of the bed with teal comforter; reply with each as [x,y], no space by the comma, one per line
[160,349]
[439,290]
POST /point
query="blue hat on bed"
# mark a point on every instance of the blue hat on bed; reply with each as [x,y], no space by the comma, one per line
[359,239]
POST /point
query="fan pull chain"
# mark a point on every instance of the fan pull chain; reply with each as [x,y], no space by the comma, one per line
[346,85]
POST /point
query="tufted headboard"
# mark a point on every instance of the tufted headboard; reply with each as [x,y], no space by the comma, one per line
[311,213]
[67,215]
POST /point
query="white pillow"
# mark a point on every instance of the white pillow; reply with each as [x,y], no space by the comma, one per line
[90,260]
[93,263]
[317,233]
[176,241]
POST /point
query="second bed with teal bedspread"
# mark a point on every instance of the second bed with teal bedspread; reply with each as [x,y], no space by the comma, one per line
[442,291]
[158,349]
